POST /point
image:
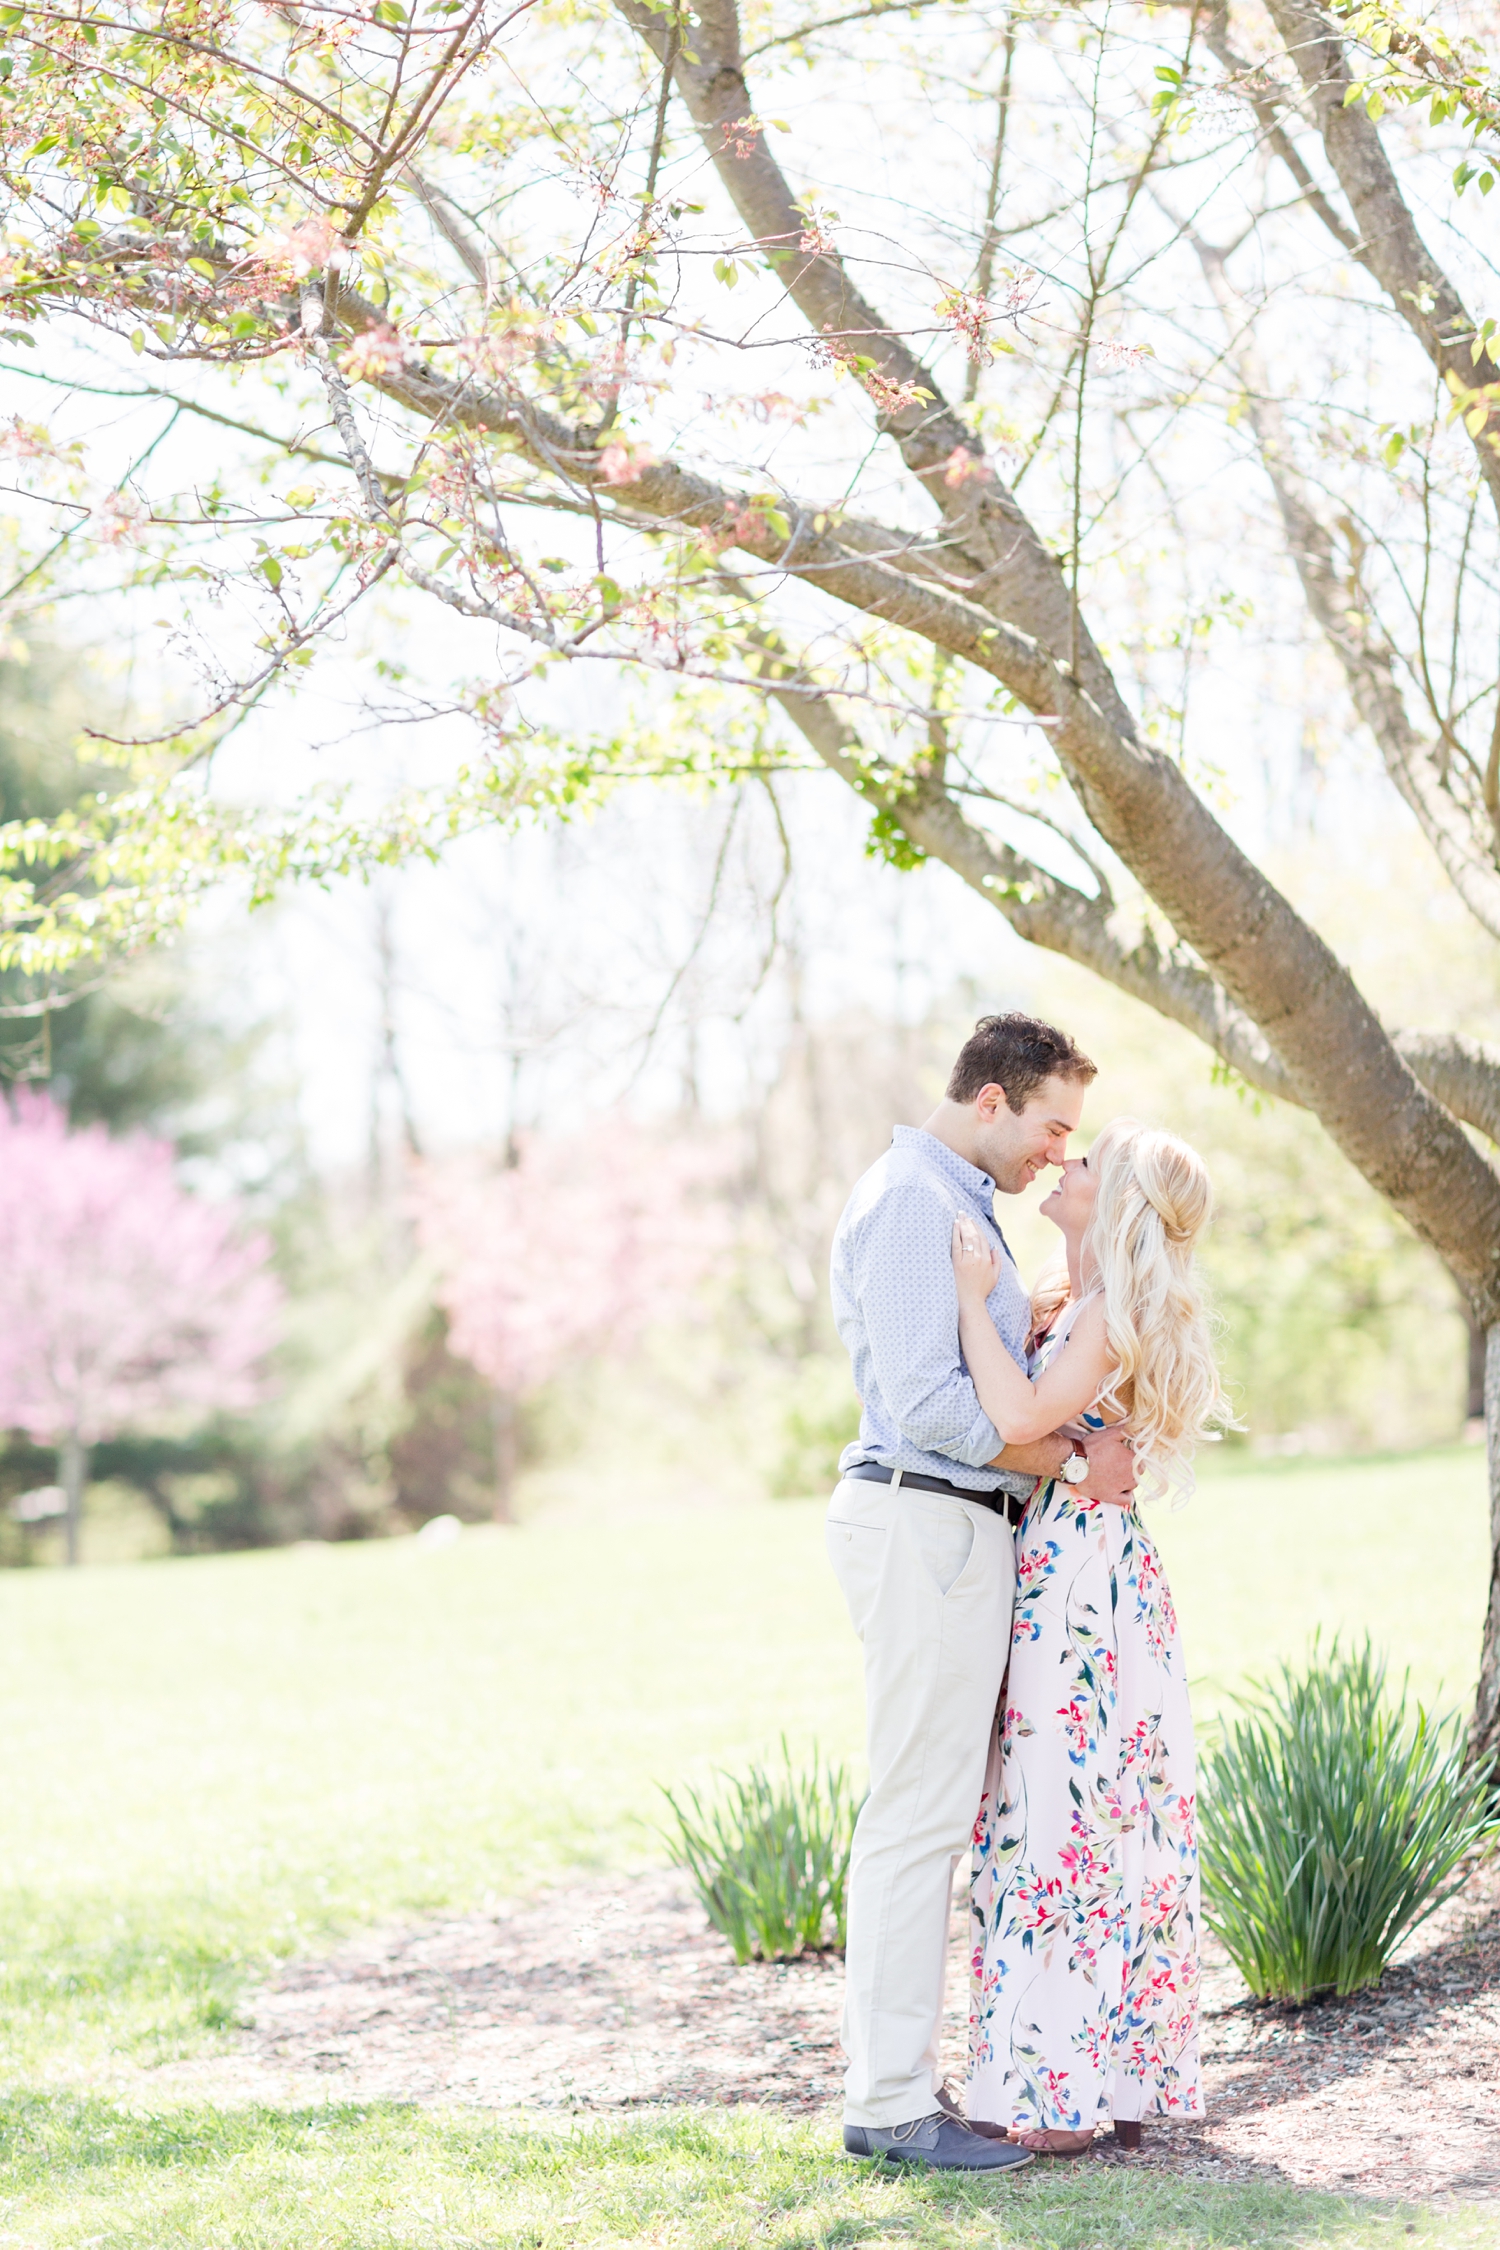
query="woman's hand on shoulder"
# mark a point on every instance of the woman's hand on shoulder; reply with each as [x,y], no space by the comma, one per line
[976,1262]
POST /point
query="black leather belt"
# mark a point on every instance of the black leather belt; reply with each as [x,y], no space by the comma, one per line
[1008,1504]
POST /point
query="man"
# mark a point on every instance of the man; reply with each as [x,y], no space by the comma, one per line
[919,1534]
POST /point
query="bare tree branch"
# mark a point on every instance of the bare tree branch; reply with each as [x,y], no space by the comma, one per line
[452,225]
[1009,568]
[1269,962]
[1462,839]
[1392,248]
[1464,1074]
[1039,907]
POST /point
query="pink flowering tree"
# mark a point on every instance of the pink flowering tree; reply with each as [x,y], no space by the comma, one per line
[574,1251]
[125,1302]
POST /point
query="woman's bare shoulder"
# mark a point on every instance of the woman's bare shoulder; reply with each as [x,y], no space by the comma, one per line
[1092,1333]
[1087,1334]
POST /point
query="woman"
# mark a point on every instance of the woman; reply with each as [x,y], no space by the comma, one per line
[1085,1890]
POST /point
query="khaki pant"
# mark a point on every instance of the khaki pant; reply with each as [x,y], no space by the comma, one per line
[930,1584]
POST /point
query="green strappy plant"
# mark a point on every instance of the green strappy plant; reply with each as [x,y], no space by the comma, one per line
[769,1857]
[1336,1818]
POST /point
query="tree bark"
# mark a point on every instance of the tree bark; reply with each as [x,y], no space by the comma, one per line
[1484,1731]
[1474,1373]
[1039,906]
[1463,1073]
[72,1470]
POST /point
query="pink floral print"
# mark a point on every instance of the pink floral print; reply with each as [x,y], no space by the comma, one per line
[1084,1893]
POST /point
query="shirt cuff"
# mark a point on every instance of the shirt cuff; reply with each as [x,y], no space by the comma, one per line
[977,1447]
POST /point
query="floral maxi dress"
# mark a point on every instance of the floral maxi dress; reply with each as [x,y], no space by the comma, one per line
[1084,1899]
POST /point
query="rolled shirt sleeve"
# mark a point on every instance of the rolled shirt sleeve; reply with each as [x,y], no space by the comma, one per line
[901,1270]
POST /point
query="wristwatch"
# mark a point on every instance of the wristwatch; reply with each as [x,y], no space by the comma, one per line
[1075,1468]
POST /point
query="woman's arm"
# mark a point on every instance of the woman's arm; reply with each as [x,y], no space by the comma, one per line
[1021,1410]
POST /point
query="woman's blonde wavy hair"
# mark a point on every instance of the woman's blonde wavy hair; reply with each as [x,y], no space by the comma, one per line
[1154,1201]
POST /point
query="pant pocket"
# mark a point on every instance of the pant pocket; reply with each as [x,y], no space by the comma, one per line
[945,1540]
[857,1552]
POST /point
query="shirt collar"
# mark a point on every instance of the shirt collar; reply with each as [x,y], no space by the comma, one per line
[943,1159]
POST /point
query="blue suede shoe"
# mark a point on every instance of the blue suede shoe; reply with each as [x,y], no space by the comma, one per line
[943,2143]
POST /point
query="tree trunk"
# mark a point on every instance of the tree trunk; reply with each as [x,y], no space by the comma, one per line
[506,1451]
[72,1468]
[1474,1379]
[1484,1732]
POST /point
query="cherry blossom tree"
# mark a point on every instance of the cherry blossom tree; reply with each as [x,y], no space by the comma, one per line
[572,1252]
[125,1302]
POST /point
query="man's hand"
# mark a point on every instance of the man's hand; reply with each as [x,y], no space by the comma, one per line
[1044,1456]
[1111,1474]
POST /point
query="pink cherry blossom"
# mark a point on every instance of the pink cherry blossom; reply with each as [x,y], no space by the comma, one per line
[571,1253]
[126,1302]
[576,1250]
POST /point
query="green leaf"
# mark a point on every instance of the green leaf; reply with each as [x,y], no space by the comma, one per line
[138,340]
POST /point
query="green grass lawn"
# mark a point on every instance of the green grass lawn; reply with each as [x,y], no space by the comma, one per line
[1261,1558]
[204,1764]
[85,2175]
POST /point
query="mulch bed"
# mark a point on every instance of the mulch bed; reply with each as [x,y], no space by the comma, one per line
[614,1994]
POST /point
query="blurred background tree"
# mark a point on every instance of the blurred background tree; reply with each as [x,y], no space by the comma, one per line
[148,1047]
[128,1303]
[565,1252]
[583,991]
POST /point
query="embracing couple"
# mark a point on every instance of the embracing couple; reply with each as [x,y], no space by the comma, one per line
[1026,1689]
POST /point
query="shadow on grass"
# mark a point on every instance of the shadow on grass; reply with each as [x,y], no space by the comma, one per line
[75,2169]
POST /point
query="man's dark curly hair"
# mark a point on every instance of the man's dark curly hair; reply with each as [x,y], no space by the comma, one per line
[1018,1053]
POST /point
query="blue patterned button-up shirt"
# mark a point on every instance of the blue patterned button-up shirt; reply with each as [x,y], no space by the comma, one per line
[896,1305]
